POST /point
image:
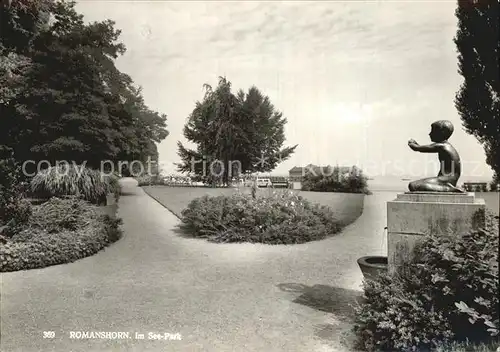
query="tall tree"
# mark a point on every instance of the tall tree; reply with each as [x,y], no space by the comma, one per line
[233,133]
[66,99]
[478,100]
[20,25]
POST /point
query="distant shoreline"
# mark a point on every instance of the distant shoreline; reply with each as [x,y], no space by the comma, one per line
[400,183]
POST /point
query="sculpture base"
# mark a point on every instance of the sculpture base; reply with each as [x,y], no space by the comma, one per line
[440,197]
[414,214]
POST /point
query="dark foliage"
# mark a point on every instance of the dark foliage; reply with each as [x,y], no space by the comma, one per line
[478,100]
[333,179]
[449,294]
[15,210]
[61,96]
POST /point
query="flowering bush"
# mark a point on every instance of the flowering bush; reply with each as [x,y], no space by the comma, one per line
[448,294]
[334,181]
[279,218]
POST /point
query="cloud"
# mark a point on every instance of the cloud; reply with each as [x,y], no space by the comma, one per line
[194,33]
[321,63]
[331,27]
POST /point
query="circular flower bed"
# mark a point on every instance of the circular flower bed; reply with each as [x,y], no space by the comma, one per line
[59,231]
[280,218]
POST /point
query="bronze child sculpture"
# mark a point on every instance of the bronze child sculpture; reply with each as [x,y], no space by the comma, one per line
[450,168]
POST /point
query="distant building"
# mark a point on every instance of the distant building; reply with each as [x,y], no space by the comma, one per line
[297,173]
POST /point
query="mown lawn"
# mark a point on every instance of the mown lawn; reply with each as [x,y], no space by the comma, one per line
[347,207]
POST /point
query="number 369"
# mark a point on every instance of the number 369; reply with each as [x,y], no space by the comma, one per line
[49,334]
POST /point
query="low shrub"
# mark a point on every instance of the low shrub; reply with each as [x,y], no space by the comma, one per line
[60,214]
[60,231]
[17,213]
[15,210]
[447,295]
[393,319]
[333,180]
[70,180]
[280,218]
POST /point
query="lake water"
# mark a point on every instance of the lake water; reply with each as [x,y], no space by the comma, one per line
[391,184]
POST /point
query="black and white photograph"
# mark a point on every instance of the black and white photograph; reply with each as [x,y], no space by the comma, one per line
[249,176]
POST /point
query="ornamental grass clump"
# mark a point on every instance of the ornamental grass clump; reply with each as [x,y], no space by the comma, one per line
[74,180]
[115,188]
[278,218]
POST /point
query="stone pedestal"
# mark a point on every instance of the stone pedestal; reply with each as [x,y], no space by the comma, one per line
[414,214]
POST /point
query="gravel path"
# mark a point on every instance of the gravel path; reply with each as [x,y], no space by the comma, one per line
[218,297]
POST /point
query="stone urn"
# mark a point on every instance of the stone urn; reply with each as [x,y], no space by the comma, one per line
[372,266]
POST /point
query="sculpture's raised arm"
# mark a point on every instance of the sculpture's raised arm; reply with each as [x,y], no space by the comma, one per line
[449,160]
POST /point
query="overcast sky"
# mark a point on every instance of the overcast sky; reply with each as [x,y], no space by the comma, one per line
[355,80]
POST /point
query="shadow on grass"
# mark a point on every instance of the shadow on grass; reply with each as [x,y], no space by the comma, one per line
[340,302]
